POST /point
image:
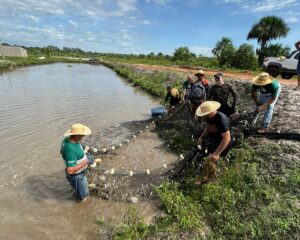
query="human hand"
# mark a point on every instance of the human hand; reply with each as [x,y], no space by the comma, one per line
[90,159]
[257,103]
[93,165]
[200,141]
[214,157]
[260,108]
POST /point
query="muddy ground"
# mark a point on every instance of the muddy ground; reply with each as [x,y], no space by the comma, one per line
[241,76]
[135,159]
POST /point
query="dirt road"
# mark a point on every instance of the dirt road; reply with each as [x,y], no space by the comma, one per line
[247,76]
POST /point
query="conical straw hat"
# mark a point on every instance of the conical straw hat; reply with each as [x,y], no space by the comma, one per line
[262,79]
[78,129]
[207,108]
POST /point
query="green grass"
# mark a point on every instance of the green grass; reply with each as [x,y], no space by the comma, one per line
[154,82]
[246,202]
[256,194]
[32,60]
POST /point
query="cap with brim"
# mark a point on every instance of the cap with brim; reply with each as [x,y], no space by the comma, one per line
[207,108]
[262,79]
[218,75]
[78,129]
[200,72]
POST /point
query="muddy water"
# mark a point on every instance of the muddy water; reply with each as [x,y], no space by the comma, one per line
[37,105]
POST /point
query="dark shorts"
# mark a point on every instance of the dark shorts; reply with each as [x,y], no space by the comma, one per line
[298,68]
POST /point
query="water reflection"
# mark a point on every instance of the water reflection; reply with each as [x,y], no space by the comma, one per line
[37,105]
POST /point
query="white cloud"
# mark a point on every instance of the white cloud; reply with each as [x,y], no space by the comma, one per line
[270,5]
[91,13]
[290,16]
[205,51]
[146,22]
[127,5]
[104,8]
[75,24]
[292,19]
[159,2]
[34,18]
[261,6]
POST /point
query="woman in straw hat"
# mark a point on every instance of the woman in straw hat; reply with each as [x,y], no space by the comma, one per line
[269,92]
[216,136]
[76,160]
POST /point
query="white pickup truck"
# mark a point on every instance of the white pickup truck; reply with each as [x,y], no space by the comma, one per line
[285,66]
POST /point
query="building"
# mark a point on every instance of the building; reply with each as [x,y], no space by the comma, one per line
[12,51]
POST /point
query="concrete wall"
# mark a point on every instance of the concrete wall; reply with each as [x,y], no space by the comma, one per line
[11,51]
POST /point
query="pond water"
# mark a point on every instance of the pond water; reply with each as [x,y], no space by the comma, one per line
[37,105]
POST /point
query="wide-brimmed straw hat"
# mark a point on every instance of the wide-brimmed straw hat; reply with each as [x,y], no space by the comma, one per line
[78,129]
[262,79]
[200,72]
[207,108]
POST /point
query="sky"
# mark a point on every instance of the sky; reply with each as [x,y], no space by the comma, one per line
[140,26]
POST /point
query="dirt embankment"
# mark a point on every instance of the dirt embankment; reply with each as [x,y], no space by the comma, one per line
[134,148]
[246,76]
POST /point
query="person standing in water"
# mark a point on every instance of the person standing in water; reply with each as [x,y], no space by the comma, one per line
[76,160]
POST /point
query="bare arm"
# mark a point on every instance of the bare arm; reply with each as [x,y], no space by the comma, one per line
[269,102]
[297,45]
[226,138]
[73,170]
[266,104]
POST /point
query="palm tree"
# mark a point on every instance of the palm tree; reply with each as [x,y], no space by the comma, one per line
[268,28]
[221,46]
[224,52]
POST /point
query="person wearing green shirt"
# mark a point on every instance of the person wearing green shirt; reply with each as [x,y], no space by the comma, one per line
[76,161]
[269,91]
[187,86]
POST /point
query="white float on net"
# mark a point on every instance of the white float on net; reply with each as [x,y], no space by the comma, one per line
[104,150]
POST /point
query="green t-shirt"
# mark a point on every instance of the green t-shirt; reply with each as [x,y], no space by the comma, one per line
[72,153]
[271,88]
[186,85]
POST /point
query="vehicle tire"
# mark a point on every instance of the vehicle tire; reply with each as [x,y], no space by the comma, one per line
[273,71]
[286,75]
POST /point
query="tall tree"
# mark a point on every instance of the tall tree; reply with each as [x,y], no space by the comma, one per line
[224,51]
[244,57]
[277,50]
[221,45]
[183,54]
[268,28]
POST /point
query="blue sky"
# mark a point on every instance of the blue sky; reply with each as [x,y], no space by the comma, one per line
[140,26]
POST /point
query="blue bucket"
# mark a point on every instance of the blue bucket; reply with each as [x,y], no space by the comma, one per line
[158,111]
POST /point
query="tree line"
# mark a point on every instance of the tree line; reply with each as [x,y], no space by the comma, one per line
[225,54]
